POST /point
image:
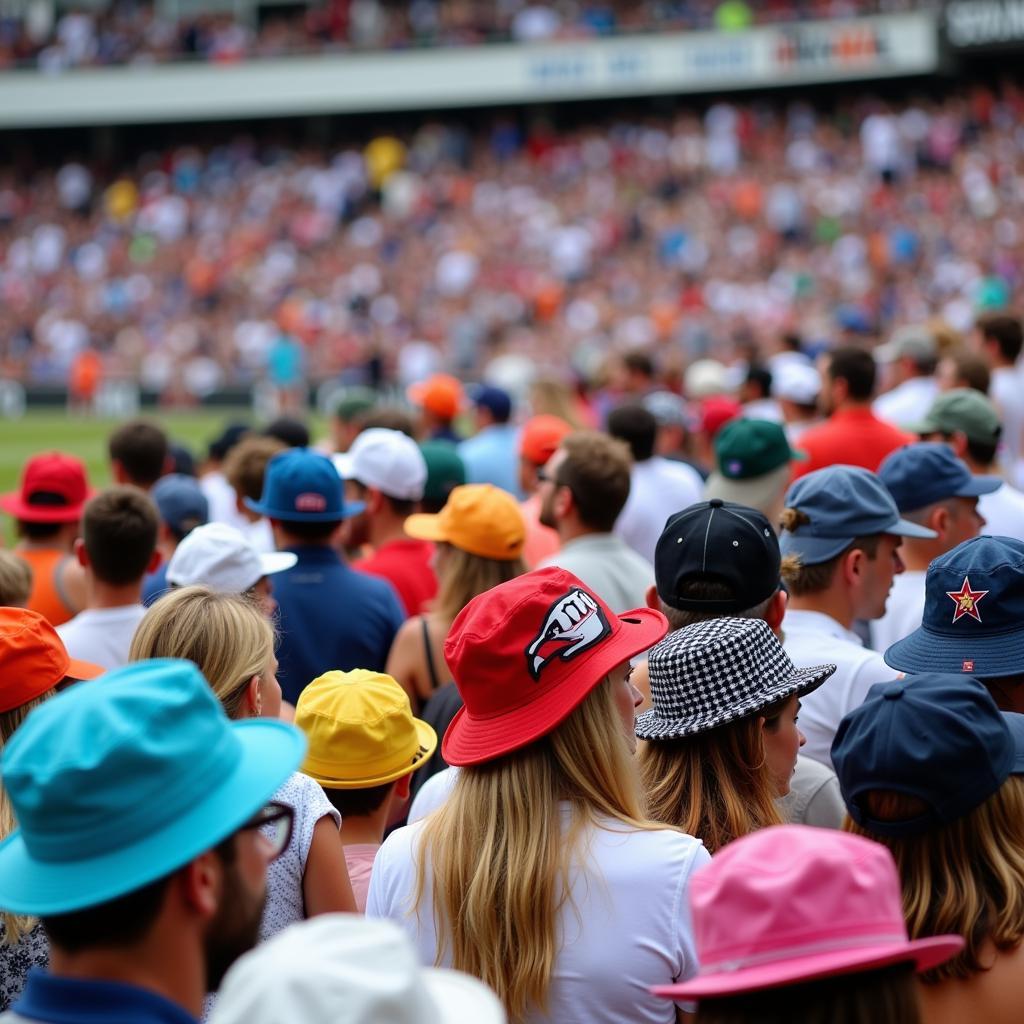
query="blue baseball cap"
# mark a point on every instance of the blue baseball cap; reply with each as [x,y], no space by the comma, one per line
[121,781]
[842,503]
[973,613]
[921,474]
[302,486]
[181,502]
[939,738]
[496,401]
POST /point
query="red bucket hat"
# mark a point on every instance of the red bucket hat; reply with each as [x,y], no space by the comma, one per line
[525,654]
[33,658]
[54,489]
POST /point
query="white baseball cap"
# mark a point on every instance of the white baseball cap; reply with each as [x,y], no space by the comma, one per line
[796,382]
[348,969]
[219,556]
[387,460]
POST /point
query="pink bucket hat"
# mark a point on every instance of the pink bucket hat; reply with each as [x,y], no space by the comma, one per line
[792,903]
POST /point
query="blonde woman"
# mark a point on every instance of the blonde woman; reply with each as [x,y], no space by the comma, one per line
[479,535]
[722,736]
[232,642]
[540,875]
[34,666]
[929,767]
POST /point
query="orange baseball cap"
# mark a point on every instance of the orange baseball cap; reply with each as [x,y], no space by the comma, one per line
[479,518]
[541,436]
[34,658]
[441,394]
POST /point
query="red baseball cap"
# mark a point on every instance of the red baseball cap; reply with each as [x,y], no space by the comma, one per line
[541,436]
[34,658]
[54,489]
[441,395]
[716,411]
[526,653]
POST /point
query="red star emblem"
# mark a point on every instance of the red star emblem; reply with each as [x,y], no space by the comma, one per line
[966,601]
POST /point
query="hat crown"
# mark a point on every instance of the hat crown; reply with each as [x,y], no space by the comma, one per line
[180,500]
[218,556]
[33,656]
[301,484]
[389,461]
[475,516]
[976,589]
[842,501]
[920,474]
[715,671]
[523,638]
[966,410]
[937,737]
[106,764]
[748,448]
[791,890]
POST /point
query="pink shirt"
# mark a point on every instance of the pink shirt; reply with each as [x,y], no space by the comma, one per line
[360,863]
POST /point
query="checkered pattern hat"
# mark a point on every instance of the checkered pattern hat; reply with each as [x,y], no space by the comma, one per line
[715,672]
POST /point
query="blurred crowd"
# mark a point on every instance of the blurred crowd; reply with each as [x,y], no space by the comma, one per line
[539,247]
[137,32]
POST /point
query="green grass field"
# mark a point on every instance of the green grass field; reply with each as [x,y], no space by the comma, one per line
[87,438]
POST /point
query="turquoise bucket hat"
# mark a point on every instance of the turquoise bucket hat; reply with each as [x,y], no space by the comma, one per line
[118,782]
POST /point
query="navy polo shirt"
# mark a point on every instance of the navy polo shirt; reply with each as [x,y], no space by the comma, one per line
[56,1000]
[330,616]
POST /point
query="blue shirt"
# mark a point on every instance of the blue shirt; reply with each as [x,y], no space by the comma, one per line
[74,1001]
[492,457]
[331,617]
[155,584]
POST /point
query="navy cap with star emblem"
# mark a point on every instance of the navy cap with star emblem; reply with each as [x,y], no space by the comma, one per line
[973,613]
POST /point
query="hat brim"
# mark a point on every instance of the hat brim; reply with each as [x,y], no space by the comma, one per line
[272,562]
[814,550]
[83,670]
[425,526]
[980,485]
[13,505]
[924,954]
[324,773]
[470,740]
[271,751]
[926,650]
[289,515]
[651,726]
[756,492]
[457,998]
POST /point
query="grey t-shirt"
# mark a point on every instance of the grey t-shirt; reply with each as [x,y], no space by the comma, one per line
[814,797]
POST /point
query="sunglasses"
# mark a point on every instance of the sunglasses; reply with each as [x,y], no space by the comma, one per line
[275,821]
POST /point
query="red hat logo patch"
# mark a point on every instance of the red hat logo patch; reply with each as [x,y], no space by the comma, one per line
[573,624]
[966,601]
[310,502]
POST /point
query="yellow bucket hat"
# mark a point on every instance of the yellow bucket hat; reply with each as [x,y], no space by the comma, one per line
[360,730]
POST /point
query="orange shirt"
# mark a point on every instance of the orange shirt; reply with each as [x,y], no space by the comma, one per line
[47,596]
[853,437]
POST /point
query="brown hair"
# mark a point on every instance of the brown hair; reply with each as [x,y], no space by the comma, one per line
[708,590]
[714,785]
[246,464]
[966,877]
[596,469]
[887,995]
[119,529]
[15,580]
[803,579]
[463,576]
[1005,331]
[141,447]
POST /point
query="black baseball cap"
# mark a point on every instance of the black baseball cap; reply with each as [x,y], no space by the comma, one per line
[717,541]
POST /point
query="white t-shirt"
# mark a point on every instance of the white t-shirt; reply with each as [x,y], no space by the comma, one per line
[285,901]
[1003,512]
[658,488]
[908,403]
[102,635]
[625,928]
[432,794]
[1005,391]
[222,500]
[903,611]
[813,638]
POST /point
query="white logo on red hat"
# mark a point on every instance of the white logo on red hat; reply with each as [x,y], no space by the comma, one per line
[310,502]
[966,601]
[573,624]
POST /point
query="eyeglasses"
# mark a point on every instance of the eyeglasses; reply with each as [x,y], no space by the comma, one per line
[275,822]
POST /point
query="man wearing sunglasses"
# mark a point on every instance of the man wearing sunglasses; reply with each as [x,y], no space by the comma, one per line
[143,843]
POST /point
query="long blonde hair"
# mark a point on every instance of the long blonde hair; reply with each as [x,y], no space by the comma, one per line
[500,859]
[715,785]
[16,926]
[464,576]
[966,877]
[226,635]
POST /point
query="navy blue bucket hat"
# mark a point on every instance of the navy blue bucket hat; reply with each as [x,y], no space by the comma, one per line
[973,613]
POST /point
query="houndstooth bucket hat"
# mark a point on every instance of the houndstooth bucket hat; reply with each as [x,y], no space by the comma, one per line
[715,672]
